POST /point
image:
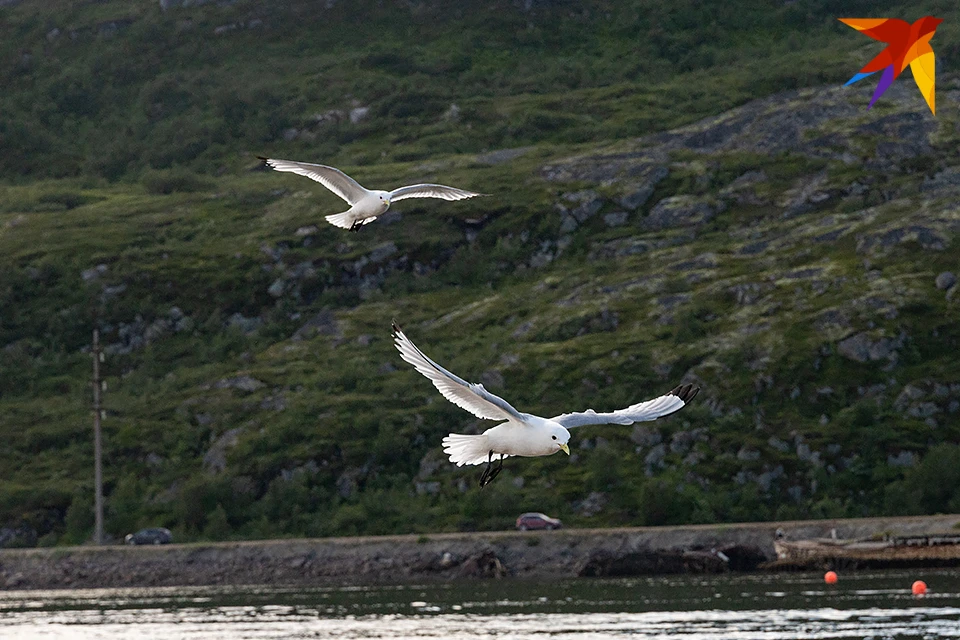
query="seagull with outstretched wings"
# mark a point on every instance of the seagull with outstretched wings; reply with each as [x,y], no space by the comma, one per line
[365,205]
[521,434]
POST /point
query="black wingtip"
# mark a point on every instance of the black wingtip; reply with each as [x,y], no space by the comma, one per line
[263,165]
[396,328]
[686,392]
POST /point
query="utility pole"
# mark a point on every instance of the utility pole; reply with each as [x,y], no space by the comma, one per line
[97,448]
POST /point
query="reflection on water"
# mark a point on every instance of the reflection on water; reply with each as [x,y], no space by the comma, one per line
[748,607]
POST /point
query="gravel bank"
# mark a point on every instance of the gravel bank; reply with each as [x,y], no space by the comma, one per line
[400,559]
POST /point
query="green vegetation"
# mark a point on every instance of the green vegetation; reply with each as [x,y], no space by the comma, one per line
[121,87]
[253,389]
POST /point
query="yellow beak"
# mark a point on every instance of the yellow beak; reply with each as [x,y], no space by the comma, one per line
[565,449]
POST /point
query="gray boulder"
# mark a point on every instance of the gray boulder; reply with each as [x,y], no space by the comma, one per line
[583,205]
[501,155]
[93,273]
[636,199]
[276,289]
[655,458]
[877,242]
[615,219]
[645,436]
[242,383]
[946,280]
[359,114]
[682,211]
[324,323]
[215,459]
[860,348]
[902,459]
[243,323]
[591,505]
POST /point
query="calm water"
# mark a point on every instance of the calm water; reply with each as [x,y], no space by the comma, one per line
[762,607]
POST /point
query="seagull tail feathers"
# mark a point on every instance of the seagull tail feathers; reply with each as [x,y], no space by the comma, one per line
[466,449]
[343,220]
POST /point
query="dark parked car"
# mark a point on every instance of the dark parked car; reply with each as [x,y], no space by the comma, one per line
[533,521]
[154,535]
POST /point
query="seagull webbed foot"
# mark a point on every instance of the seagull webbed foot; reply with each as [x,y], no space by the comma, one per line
[491,472]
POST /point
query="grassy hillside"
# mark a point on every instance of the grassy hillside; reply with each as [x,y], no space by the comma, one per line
[113,88]
[783,254]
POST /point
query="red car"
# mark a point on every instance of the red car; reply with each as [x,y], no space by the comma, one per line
[533,521]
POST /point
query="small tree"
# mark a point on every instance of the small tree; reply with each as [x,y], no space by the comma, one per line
[218,527]
[79,518]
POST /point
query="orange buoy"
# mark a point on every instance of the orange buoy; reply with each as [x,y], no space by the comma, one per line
[919,588]
[830,577]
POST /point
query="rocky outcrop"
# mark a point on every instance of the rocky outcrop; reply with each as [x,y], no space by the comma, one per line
[135,335]
[862,348]
[682,211]
[946,281]
[19,536]
[636,563]
[485,564]
[324,323]
[215,459]
[247,384]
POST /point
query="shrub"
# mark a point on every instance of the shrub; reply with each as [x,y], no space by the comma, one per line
[79,518]
[933,485]
[62,200]
[218,528]
[169,181]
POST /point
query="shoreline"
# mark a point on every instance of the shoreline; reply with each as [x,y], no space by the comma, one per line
[400,559]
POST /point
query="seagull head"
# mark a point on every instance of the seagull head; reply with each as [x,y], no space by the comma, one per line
[384,197]
[560,437]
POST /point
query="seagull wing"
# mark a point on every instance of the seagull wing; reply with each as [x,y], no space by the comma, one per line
[643,412]
[472,397]
[431,191]
[333,179]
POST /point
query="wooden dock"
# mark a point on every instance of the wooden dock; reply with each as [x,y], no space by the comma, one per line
[942,549]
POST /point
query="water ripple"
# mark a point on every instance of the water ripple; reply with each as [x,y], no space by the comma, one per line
[753,607]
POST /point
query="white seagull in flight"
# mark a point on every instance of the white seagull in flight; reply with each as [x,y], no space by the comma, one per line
[522,434]
[365,205]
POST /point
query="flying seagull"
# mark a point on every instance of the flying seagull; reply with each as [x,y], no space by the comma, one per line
[365,205]
[521,434]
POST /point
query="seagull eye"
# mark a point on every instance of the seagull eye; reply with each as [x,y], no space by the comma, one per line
[554,437]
